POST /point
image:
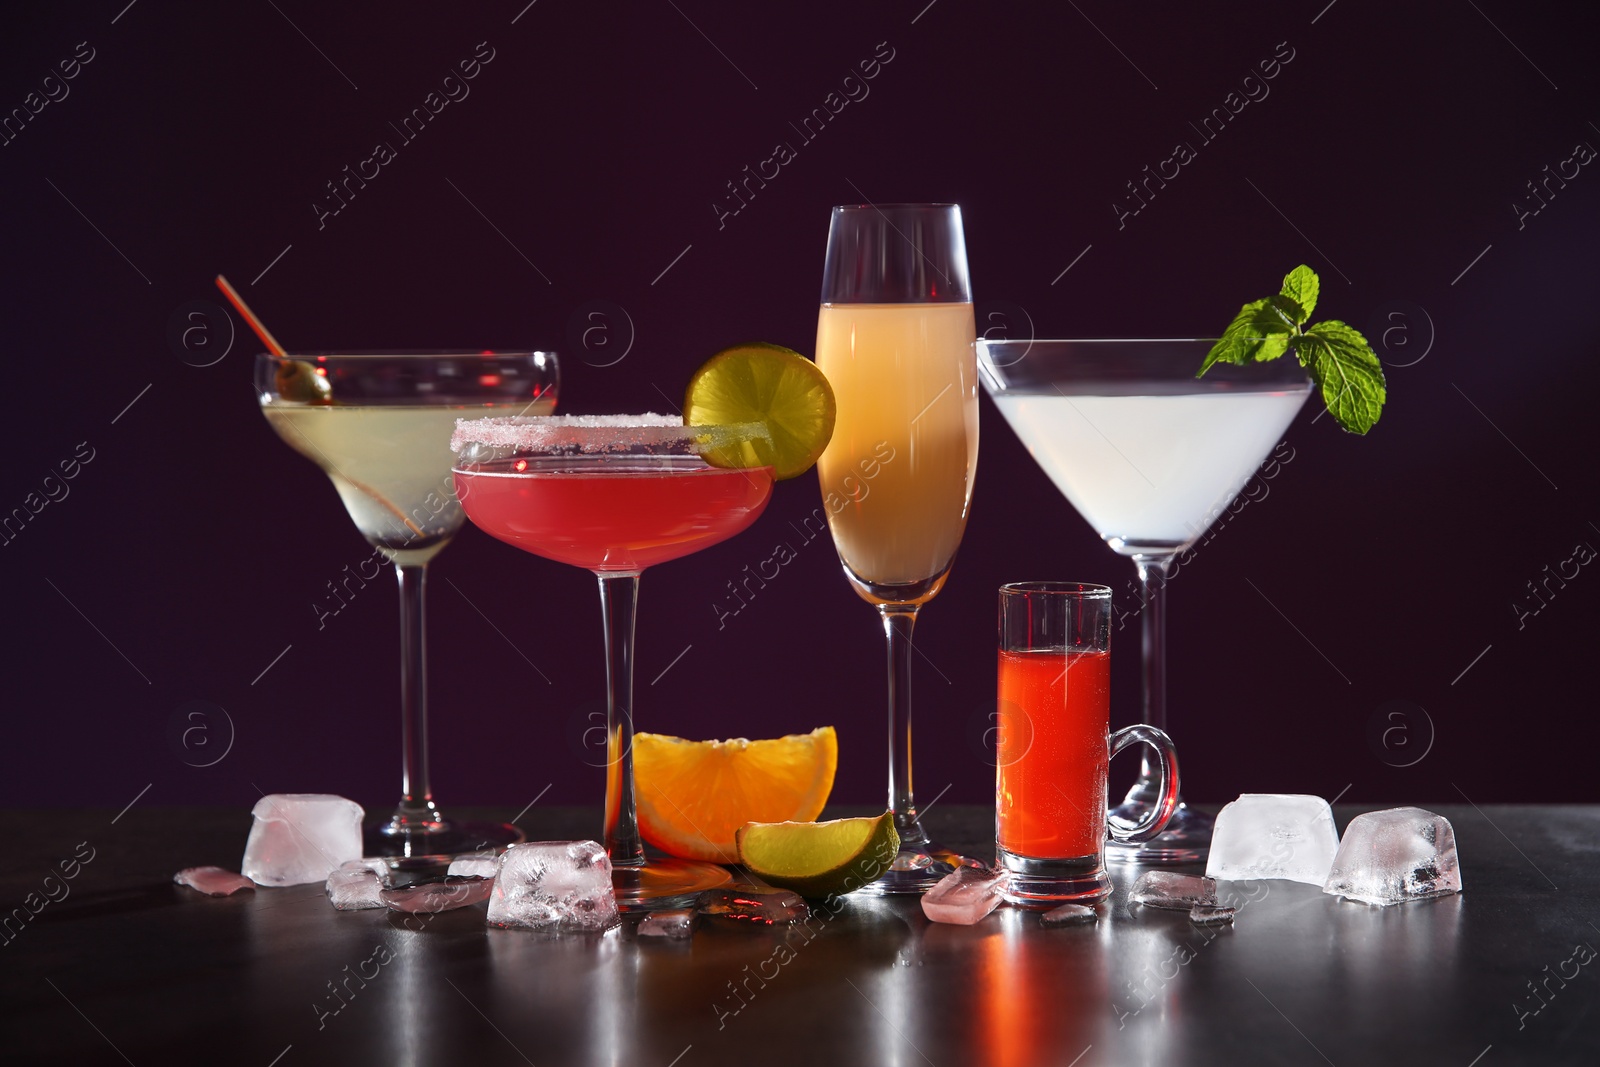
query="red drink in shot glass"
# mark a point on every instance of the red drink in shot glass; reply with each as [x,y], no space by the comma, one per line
[1050,797]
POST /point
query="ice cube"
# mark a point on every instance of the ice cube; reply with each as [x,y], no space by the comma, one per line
[299,837]
[760,904]
[476,865]
[677,924]
[964,896]
[352,887]
[1396,855]
[1069,915]
[1211,915]
[213,881]
[1274,835]
[1180,892]
[560,884]
[452,893]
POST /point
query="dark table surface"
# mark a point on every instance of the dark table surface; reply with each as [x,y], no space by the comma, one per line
[128,968]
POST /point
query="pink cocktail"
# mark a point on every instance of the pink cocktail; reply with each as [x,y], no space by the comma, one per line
[621,517]
[613,494]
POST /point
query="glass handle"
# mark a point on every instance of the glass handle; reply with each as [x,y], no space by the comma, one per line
[1167,799]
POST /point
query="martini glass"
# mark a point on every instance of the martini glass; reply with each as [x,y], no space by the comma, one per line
[613,494]
[378,424]
[1150,455]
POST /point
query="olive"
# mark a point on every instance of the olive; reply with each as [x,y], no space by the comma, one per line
[298,381]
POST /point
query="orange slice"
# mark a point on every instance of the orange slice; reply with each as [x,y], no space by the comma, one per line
[693,796]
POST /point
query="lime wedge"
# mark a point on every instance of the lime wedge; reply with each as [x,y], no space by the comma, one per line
[819,859]
[780,391]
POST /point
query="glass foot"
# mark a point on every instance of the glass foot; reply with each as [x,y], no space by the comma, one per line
[426,845]
[665,883]
[1187,838]
[916,868]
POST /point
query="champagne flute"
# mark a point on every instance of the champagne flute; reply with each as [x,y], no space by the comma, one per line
[895,337]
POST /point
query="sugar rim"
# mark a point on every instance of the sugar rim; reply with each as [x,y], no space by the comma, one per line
[596,433]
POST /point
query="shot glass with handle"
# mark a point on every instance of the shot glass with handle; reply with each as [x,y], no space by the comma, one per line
[1055,744]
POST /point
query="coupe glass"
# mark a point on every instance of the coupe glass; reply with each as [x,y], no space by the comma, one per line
[614,495]
[378,424]
[895,338]
[1150,455]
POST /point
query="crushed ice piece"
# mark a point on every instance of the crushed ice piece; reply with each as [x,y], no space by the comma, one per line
[1069,915]
[964,896]
[1180,892]
[429,897]
[676,924]
[213,881]
[1396,855]
[476,865]
[560,884]
[1274,835]
[352,888]
[753,903]
[1211,914]
[297,838]
[378,865]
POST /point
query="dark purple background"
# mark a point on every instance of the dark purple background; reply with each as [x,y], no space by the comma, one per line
[191,548]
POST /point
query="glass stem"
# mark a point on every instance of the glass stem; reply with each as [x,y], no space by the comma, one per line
[1153,622]
[898,623]
[619,598]
[416,811]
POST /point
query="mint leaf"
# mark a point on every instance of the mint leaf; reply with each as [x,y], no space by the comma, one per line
[1347,371]
[1289,308]
[1257,323]
[1339,359]
[1302,286]
[1274,346]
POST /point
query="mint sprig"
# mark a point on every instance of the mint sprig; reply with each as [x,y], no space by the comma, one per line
[1339,359]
